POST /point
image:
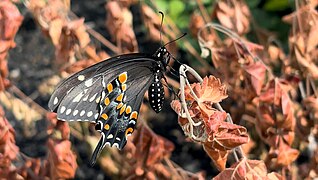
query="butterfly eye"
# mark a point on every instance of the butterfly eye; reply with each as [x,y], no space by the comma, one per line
[98,126]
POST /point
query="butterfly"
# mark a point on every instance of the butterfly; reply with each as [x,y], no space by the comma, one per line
[110,94]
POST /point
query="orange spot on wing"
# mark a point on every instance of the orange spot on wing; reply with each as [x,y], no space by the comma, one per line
[119,105]
[134,115]
[124,87]
[122,110]
[109,87]
[129,131]
[128,110]
[107,101]
[122,77]
[120,97]
[104,116]
[107,127]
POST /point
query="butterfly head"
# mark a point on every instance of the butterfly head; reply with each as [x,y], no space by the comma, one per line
[163,55]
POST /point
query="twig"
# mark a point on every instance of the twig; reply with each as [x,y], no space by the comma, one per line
[103,40]
[248,118]
[313,86]
[76,133]
[183,69]
[235,38]
[204,13]
[168,161]
[27,100]
[302,90]
[99,37]
[178,168]
[298,17]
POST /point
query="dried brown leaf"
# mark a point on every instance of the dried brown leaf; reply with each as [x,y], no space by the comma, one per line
[219,157]
[249,170]
[119,25]
[55,30]
[257,71]
[176,106]
[33,167]
[311,104]
[306,61]
[62,160]
[304,13]
[152,22]
[77,27]
[10,21]
[149,143]
[8,149]
[222,137]
[312,42]
[234,15]
[284,155]
[196,23]
[275,114]
[211,90]
[230,135]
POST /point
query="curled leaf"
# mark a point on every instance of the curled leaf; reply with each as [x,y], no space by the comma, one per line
[8,148]
[147,142]
[257,72]
[248,169]
[119,24]
[62,160]
[234,15]
[210,90]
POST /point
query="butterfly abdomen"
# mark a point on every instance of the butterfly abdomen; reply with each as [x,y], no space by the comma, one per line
[156,95]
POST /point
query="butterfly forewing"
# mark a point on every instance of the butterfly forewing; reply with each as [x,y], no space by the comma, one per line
[108,68]
[81,104]
[66,86]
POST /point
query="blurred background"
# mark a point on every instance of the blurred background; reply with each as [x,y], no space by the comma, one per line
[45,41]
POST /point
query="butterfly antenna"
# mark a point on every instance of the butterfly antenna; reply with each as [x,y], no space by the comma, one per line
[162,16]
[184,34]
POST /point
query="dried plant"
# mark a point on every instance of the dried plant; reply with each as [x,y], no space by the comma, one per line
[255,112]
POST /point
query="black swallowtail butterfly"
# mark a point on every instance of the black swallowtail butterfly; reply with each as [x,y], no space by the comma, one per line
[110,93]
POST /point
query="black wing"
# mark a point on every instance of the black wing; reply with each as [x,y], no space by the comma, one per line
[109,93]
[78,97]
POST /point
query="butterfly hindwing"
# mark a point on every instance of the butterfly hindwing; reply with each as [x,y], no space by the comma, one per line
[120,109]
